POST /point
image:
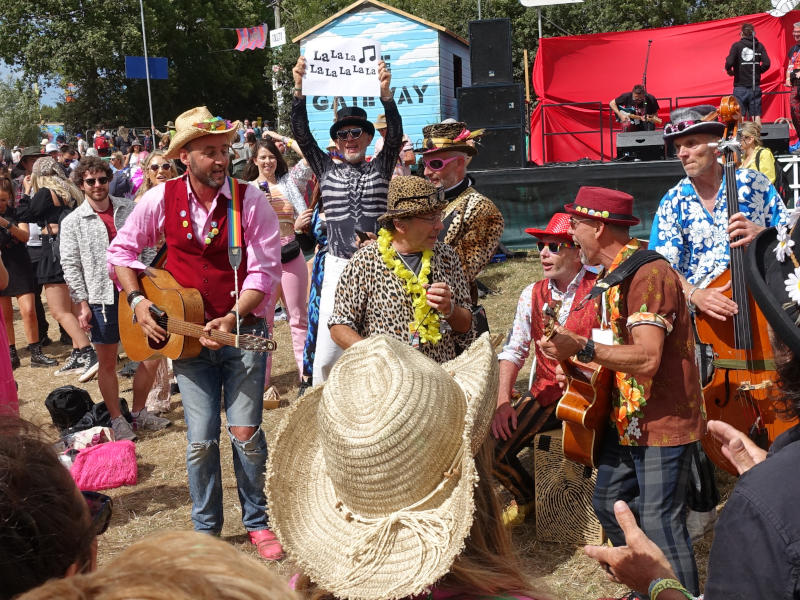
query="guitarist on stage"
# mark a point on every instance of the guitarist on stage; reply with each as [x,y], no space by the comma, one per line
[636,110]
[657,405]
[192,213]
[691,226]
[566,281]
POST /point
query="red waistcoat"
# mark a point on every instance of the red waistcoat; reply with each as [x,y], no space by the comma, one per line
[545,388]
[204,267]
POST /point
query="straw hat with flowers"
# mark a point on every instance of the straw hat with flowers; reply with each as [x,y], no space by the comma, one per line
[198,122]
[371,476]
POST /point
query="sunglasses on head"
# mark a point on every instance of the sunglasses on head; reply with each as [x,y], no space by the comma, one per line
[437,164]
[354,133]
[163,167]
[679,126]
[554,247]
[100,510]
[90,181]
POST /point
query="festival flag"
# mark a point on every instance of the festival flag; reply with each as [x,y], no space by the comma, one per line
[262,32]
[244,39]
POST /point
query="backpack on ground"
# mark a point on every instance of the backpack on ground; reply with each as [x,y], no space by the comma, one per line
[67,405]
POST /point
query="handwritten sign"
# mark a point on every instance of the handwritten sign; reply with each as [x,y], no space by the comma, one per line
[277,37]
[336,66]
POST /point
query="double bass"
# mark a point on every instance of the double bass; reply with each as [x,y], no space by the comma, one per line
[742,388]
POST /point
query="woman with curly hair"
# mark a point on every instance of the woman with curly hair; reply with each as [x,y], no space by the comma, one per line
[54,197]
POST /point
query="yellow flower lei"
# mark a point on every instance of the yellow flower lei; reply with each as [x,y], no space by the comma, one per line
[426,320]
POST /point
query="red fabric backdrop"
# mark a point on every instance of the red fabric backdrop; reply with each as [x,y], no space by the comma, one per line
[685,60]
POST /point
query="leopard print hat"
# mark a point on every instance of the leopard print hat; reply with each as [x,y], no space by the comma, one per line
[410,195]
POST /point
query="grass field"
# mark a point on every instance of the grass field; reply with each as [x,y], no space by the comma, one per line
[161,501]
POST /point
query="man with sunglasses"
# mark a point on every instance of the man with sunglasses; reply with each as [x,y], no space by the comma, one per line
[656,416]
[84,239]
[372,298]
[472,223]
[691,226]
[353,190]
[564,280]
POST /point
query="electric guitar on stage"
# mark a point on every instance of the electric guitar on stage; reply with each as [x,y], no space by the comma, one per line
[585,406]
[637,119]
[179,311]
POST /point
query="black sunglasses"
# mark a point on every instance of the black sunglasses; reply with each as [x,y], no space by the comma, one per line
[163,167]
[354,133]
[91,181]
[554,247]
[100,509]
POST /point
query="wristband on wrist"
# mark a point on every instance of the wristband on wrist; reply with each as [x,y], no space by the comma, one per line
[232,312]
[136,301]
[689,298]
[659,585]
[133,295]
[452,309]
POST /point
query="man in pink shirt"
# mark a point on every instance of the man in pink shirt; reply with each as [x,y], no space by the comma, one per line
[191,212]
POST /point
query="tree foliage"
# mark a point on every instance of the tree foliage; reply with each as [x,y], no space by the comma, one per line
[84,42]
[19,112]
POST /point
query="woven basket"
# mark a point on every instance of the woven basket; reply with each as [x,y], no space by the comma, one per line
[563,495]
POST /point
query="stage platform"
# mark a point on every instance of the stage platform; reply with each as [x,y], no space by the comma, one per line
[529,197]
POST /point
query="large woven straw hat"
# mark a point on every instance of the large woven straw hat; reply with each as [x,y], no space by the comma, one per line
[370,479]
[195,123]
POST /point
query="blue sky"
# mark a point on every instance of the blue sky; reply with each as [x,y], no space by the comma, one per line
[50,95]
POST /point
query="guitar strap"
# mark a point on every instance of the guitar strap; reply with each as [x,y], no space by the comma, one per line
[235,240]
[627,268]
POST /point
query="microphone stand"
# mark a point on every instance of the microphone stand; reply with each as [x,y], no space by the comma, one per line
[644,84]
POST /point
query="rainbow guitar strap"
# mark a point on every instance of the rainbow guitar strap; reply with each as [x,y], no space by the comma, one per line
[235,241]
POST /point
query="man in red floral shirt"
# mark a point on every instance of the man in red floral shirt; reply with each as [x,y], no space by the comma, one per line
[657,405]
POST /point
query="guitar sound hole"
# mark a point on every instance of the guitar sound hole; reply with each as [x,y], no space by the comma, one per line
[157,345]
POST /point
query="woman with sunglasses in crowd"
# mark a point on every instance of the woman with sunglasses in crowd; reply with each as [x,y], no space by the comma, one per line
[54,197]
[48,527]
[286,192]
[157,170]
[22,281]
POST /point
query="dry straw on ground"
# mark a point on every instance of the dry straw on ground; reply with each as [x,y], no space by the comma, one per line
[161,498]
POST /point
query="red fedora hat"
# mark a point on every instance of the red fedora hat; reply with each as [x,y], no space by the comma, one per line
[557,227]
[603,204]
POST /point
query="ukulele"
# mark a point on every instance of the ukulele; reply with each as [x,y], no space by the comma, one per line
[179,311]
[585,406]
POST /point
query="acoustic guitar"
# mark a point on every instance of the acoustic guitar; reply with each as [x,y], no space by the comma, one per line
[179,311]
[584,407]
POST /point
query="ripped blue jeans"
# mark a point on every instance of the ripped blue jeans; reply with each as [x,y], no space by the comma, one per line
[235,377]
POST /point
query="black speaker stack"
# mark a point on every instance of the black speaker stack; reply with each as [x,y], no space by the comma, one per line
[493,101]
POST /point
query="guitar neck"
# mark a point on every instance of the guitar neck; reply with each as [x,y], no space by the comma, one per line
[194,330]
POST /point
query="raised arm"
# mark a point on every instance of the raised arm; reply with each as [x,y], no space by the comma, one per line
[319,160]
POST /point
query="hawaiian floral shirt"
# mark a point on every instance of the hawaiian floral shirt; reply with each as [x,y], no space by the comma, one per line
[666,409]
[695,241]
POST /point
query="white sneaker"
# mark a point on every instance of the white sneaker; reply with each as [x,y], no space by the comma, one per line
[122,429]
[147,421]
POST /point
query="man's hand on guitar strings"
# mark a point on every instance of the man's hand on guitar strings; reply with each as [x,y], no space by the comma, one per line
[562,345]
[146,321]
[224,323]
[714,303]
[743,229]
